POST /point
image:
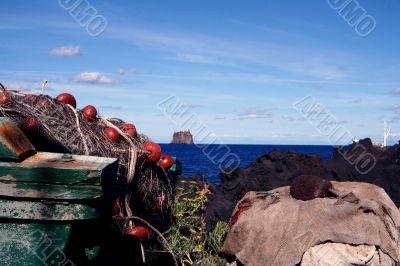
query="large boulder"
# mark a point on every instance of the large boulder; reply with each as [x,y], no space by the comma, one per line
[277,229]
[269,171]
[278,168]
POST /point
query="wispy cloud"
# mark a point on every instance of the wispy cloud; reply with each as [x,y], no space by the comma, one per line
[317,110]
[196,58]
[111,107]
[353,101]
[266,29]
[288,118]
[66,51]
[330,123]
[194,105]
[93,77]
[123,71]
[325,64]
[252,113]
[394,108]
[395,91]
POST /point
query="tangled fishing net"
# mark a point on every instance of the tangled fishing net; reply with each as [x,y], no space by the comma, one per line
[143,186]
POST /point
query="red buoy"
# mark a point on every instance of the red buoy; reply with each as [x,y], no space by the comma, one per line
[155,151]
[112,134]
[30,124]
[165,161]
[140,232]
[89,112]
[67,99]
[5,98]
[129,129]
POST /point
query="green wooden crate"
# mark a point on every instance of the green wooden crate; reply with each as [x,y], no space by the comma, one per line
[50,203]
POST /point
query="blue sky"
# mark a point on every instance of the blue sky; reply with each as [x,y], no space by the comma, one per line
[238,65]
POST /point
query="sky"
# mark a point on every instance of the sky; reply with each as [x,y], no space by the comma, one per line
[239,66]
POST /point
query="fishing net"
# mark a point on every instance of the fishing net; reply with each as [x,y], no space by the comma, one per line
[151,249]
[56,124]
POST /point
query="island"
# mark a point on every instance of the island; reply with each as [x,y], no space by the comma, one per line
[182,137]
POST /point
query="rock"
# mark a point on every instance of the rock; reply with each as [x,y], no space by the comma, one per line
[272,170]
[278,168]
[182,137]
[385,173]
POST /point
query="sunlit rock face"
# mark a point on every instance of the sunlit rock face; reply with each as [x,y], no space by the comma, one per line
[182,137]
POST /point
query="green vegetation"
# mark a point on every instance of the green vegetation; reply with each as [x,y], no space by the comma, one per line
[187,237]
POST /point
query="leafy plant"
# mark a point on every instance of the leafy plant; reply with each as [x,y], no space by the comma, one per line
[187,236]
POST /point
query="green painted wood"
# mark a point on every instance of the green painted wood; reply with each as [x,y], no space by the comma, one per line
[49,191]
[54,168]
[14,145]
[33,244]
[45,211]
[176,168]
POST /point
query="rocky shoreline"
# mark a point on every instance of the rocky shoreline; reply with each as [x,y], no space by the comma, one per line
[278,168]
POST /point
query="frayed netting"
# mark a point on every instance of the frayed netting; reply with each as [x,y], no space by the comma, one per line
[66,127]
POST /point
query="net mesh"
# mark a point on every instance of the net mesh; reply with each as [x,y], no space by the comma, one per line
[62,125]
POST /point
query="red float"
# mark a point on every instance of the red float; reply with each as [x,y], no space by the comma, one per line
[130,129]
[160,201]
[5,98]
[165,161]
[30,124]
[43,101]
[89,112]
[116,209]
[30,97]
[67,99]
[140,232]
[155,151]
[112,134]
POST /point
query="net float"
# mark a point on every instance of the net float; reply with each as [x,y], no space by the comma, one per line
[112,134]
[5,98]
[89,112]
[130,129]
[67,98]
[155,151]
[140,232]
[165,161]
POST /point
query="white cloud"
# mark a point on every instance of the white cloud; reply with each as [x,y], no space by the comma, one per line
[122,71]
[322,64]
[194,105]
[66,51]
[317,110]
[396,91]
[93,77]
[196,58]
[112,107]
[254,114]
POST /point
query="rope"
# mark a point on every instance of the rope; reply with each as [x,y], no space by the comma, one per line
[131,162]
[78,126]
[165,241]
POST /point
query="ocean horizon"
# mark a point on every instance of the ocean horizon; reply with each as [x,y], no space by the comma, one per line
[195,161]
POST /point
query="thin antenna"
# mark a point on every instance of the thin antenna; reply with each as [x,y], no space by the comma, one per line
[386,133]
[43,86]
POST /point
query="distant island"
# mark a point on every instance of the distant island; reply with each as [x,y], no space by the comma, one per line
[182,137]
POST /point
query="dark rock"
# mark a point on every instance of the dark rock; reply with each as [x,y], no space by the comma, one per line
[360,162]
[382,166]
[269,171]
[182,137]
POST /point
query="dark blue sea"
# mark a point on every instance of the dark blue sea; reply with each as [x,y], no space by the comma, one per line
[194,160]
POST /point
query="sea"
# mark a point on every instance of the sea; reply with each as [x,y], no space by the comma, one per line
[195,161]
